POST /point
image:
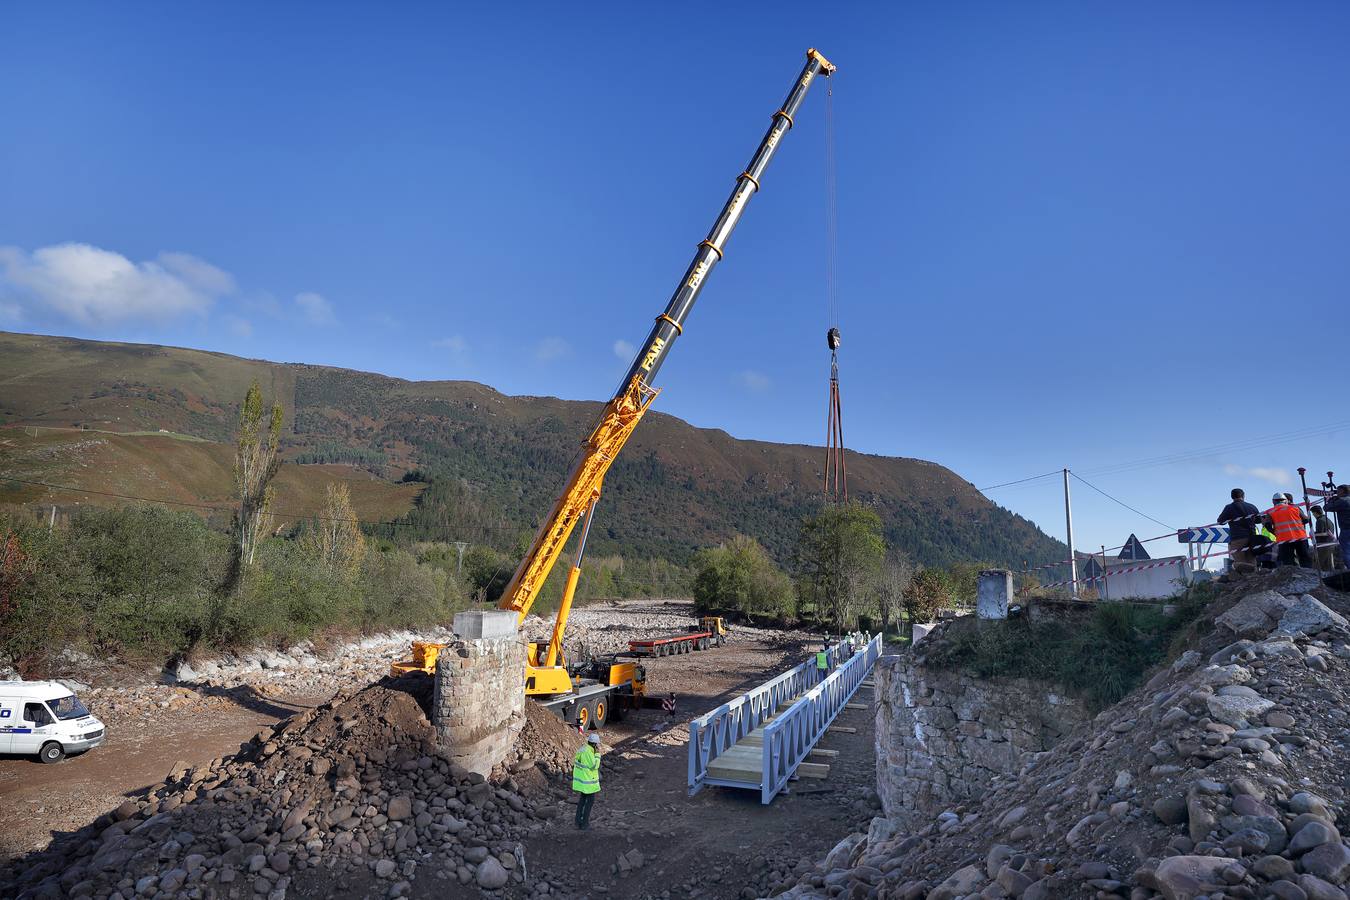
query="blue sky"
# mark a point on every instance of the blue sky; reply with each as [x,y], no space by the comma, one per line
[1070,234]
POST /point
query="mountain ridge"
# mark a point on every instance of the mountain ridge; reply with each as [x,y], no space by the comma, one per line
[676,488]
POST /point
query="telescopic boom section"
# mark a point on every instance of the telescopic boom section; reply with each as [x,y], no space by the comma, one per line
[635,393]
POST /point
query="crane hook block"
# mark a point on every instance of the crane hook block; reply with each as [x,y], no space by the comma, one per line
[832,338]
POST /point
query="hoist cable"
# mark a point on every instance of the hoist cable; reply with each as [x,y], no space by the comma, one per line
[831,212]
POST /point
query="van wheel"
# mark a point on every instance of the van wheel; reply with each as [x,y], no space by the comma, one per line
[52,753]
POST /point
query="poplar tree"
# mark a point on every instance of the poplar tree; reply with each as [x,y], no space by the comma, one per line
[255,464]
[335,539]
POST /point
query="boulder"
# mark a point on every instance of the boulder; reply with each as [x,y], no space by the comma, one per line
[1255,614]
[1317,889]
[1310,616]
[958,884]
[400,808]
[1313,834]
[1185,877]
[490,874]
[1330,862]
[1236,709]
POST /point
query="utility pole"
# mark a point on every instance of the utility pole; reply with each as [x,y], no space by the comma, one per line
[1068,523]
[459,566]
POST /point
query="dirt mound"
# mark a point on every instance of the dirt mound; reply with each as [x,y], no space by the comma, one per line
[1222,777]
[545,741]
[355,785]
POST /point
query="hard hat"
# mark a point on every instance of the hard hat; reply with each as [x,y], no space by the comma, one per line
[593,738]
[1278,498]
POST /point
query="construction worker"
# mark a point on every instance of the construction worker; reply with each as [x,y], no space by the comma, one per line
[1340,505]
[1241,519]
[823,661]
[1286,520]
[1324,540]
[586,778]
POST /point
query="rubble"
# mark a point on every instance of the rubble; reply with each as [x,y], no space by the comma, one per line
[1222,777]
[355,786]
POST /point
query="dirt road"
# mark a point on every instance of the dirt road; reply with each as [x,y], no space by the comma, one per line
[43,799]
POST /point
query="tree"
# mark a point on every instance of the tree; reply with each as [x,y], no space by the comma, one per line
[840,554]
[335,538]
[255,464]
[928,592]
[739,576]
[896,572]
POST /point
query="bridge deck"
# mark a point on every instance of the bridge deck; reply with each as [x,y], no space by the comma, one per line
[762,739]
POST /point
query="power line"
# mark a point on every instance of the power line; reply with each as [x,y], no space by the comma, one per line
[1243,444]
[1118,501]
[1018,481]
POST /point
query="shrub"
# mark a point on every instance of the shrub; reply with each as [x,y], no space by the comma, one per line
[740,577]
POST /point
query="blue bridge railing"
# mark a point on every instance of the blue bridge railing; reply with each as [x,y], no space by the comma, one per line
[713,733]
[789,738]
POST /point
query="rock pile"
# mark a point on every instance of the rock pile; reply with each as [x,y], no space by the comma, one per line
[354,788]
[1223,777]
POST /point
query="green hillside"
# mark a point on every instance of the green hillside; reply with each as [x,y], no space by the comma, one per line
[499,460]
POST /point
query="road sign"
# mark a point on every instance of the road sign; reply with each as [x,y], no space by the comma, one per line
[1210,534]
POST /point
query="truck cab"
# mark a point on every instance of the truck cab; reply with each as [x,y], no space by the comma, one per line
[46,719]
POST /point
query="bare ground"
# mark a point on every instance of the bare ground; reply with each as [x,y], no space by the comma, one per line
[719,844]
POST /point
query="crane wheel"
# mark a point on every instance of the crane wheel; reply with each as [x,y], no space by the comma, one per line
[599,713]
[584,716]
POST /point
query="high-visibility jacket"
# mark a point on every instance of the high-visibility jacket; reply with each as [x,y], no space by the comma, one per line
[1288,523]
[586,771]
[823,660]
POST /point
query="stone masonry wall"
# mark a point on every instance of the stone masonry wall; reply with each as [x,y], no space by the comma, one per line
[479,705]
[942,735]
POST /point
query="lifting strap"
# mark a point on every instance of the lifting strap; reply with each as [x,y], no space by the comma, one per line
[836,471]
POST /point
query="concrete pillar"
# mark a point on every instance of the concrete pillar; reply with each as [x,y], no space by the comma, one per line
[920,632]
[479,705]
[994,591]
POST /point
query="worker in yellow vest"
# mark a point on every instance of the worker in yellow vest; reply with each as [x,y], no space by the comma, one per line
[586,778]
[823,661]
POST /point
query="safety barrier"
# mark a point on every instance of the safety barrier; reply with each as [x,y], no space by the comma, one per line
[789,738]
[713,733]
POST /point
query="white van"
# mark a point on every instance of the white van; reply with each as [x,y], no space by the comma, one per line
[45,718]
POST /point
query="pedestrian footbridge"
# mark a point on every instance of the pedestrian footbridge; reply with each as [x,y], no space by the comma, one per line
[758,740]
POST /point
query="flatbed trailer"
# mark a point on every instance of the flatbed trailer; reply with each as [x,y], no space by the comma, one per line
[677,642]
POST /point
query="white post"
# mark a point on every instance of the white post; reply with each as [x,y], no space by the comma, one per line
[1068,522]
[51,523]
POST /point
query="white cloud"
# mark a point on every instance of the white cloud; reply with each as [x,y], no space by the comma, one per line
[315,308]
[624,350]
[755,382]
[1277,477]
[551,348]
[454,343]
[239,327]
[94,286]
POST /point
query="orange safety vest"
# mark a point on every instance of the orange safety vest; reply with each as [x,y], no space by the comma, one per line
[1288,522]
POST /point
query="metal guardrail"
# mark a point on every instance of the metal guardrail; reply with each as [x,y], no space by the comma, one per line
[789,738]
[713,733]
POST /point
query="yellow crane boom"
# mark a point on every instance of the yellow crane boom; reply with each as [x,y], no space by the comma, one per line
[635,394]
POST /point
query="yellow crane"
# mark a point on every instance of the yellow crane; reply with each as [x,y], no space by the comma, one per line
[593,691]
